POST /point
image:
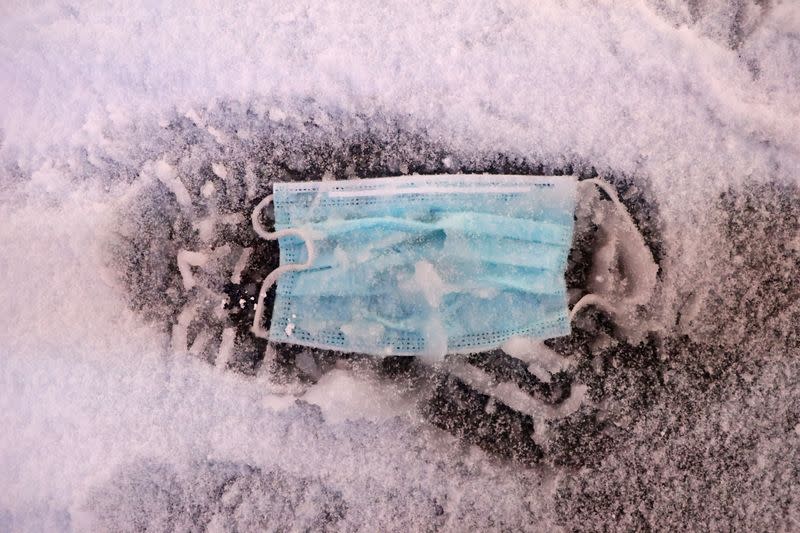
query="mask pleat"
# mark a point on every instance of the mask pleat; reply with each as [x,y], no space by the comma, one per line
[422,271]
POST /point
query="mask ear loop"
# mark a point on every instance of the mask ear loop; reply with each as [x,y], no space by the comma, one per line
[592,298]
[273,276]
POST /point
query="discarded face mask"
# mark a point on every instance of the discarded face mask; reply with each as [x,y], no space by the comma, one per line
[421,265]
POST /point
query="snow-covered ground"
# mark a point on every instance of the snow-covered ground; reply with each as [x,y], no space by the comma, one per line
[693,102]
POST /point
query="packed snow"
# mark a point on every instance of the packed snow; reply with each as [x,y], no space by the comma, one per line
[692,105]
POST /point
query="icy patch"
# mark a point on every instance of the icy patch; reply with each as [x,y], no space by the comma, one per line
[344,396]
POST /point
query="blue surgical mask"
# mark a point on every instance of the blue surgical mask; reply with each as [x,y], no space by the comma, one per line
[421,265]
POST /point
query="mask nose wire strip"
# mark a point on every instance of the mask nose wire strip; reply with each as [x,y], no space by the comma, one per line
[591,298]
[273,276]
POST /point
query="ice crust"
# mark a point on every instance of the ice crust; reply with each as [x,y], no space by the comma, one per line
[694,103]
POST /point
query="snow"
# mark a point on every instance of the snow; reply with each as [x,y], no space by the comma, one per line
[693,102]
